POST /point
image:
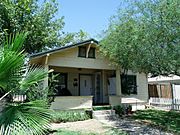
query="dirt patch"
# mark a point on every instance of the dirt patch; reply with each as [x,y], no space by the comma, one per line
[88,126]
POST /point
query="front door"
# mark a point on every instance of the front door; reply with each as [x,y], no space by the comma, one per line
[86,88]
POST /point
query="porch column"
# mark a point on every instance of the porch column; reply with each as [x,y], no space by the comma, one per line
[46,67]
[118,83]
[45,83]
[116,100]
[104,90]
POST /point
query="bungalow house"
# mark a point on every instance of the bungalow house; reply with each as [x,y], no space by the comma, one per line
[87,77]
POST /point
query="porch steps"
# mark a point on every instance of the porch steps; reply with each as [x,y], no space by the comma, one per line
[104,115]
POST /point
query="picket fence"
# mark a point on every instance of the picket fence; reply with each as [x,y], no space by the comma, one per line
[165,103]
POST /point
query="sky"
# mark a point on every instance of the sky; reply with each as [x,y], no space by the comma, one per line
[92,16]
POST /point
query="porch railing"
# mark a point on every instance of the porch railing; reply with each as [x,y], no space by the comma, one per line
[165,103]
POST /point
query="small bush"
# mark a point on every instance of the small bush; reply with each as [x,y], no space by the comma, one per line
[67,132]
[70,116]
[122,109]
[96,108]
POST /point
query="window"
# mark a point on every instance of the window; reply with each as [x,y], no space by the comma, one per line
[91,53]
[82,52]
[128,84]
[59,84]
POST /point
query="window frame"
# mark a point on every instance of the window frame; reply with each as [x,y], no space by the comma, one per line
[130,86]
[84,47]
[79,54]
[94,52]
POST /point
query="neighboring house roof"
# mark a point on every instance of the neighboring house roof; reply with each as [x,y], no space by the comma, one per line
[164,79]
[64,47]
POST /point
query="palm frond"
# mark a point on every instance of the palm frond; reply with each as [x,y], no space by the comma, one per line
[11,59]
[15,42]
[33,76]
[31,117]
[10,64]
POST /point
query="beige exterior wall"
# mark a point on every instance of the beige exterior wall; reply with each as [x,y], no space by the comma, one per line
[142,87]
[67,61]
[72,74]
[72,102]
[69,58]
[73,89]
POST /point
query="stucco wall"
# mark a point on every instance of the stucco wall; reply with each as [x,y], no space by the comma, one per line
[73,73]
[70,63]
[73,89]
[69,58]
[72,102]
[142,87]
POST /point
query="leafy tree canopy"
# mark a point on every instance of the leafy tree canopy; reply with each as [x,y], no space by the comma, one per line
[45,29]
[144,37]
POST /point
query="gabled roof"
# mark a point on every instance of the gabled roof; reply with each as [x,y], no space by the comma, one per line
[63,47]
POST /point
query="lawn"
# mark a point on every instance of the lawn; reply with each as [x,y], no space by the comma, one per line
[67,132]
[112,131]
[167,120]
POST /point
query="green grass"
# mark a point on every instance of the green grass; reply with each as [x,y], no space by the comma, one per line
[112,131]
[167,120]
[70,116]
[67,132]
[96,108]
[115,131]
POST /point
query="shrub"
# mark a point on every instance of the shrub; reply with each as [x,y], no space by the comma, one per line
[122,109]
[70,116]
[96,108]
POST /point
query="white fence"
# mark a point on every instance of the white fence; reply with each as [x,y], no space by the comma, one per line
[165,103]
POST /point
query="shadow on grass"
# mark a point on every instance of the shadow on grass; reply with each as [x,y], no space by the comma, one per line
[115,131]
[67,132]
[167,120]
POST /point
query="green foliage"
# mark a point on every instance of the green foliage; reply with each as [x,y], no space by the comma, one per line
[39,19]
[32,84]
[21,117]
[31,117]
[168,120]
[70,116]
[115,131]
[120,110]
[11,60]
[144,37]
[66,132]
[32,75]
[96,108]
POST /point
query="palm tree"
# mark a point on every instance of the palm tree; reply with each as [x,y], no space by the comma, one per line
[30,116]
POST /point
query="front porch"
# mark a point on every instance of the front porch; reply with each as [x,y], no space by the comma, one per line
[80,88]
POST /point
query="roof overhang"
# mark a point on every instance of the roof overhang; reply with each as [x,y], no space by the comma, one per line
[45,53]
